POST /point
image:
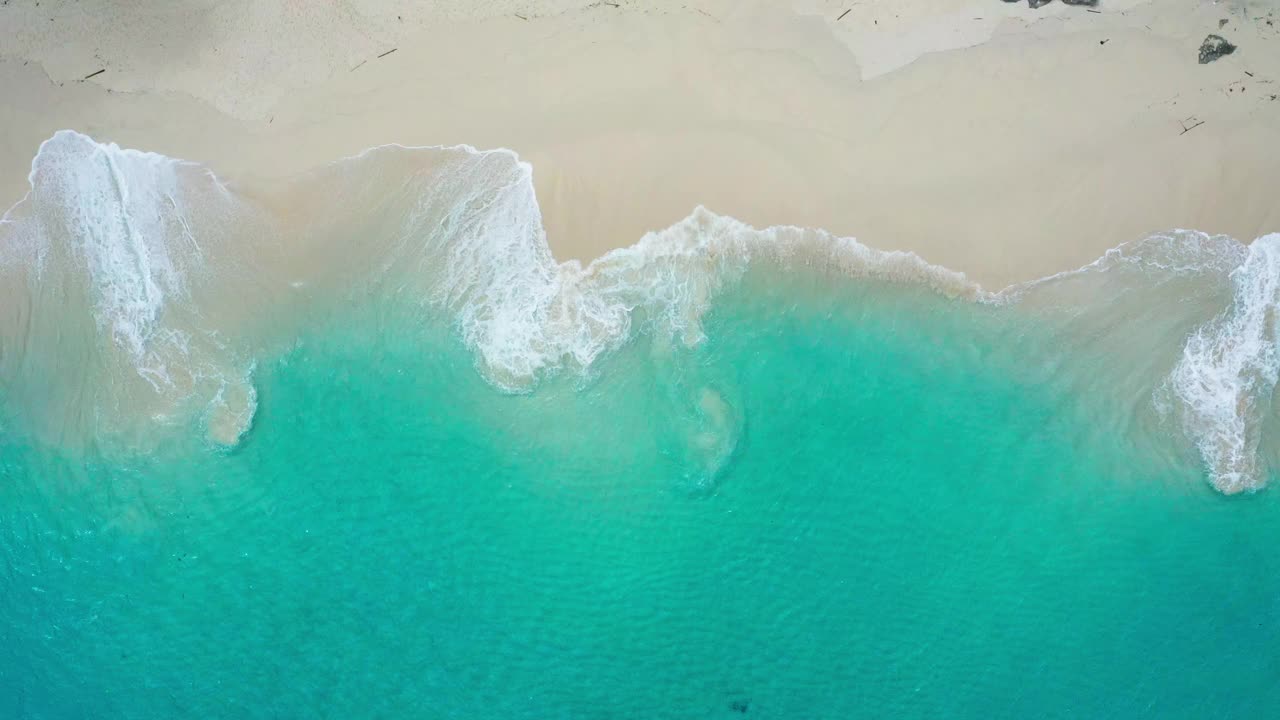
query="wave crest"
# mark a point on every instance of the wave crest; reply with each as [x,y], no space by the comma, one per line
[113,231]
[471,233]
[1228,372]
[122,264]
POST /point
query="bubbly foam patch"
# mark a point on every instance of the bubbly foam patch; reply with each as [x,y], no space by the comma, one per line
[1228,372]
[119,230]
[1219,386]
[120,210]
[476,237]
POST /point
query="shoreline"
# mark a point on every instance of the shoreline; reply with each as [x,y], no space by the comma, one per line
[178,264]
[1008,157]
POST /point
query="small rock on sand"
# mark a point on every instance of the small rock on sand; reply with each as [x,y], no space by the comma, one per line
[1214,47]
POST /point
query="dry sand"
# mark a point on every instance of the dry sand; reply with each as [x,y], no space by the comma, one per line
[992,138]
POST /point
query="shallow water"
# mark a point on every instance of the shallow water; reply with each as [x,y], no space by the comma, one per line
[418,469]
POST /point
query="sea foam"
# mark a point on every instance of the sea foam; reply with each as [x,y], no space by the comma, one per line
[122,209]
[118,228]
[1228,372]
[474,234]
[163,253]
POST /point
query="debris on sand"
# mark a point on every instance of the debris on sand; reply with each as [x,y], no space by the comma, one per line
[1214,47]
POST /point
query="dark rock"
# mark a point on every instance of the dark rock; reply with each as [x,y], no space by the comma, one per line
[1090,3]
[1214,47]
[739,706]
[1038,3]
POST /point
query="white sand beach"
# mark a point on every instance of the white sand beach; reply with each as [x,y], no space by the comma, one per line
[993,138]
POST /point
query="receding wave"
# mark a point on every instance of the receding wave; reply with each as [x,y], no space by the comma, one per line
[1195,313]
[101,271]
[137,288]
[1227,374]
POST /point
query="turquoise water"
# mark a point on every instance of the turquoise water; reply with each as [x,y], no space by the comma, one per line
[849,496]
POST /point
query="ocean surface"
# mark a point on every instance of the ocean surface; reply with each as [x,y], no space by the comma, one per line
[359,447]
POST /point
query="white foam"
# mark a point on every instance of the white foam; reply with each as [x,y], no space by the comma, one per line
[1228,372]
[115,227]
[482,243]
[1156,259]
[119,210]
[469,240]
[525,316]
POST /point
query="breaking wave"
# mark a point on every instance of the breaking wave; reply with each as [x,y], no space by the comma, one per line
[137,288]
[1196,313]
[1227,375]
